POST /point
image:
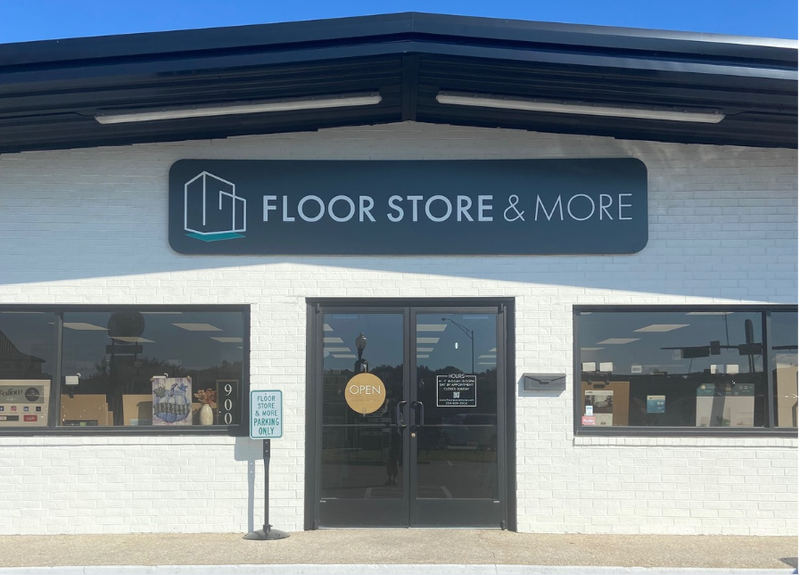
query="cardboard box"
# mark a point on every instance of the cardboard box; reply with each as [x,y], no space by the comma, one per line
[85,410]
[786,378]
[610,401]
[137,409]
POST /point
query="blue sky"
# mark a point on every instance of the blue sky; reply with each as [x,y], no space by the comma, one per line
[27,20]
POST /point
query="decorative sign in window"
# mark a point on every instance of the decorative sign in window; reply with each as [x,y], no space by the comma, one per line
[590,206]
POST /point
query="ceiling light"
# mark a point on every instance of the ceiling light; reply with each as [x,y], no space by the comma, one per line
[326,327]
[131,339]
[80,326]
[332,340]
[344,355]
[709,313]
[161,313]
[428,340]
[618,340]
[284,105]
[580,108]
[197,326]
[431,326]
[21,312]
[228,339]
[661,327]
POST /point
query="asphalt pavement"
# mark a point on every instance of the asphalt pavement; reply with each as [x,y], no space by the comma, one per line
[422,551]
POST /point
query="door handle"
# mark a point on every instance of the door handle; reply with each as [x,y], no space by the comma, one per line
[398,416]
[419,416]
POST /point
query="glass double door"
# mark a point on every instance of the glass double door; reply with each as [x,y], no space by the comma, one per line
[411,422]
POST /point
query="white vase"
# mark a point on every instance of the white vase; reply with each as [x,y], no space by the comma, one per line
[206,416]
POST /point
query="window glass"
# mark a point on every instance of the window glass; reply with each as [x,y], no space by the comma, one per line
[142,368]
[783,356]
[361,451]
[27,360]
[679,369]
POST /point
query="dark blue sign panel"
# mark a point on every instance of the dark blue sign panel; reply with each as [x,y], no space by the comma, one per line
[456,207]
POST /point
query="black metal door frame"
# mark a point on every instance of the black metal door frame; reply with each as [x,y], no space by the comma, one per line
[419,515]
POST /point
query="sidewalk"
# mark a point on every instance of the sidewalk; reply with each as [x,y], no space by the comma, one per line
[434,551]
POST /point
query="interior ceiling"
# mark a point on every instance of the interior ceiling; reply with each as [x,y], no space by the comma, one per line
[51,91]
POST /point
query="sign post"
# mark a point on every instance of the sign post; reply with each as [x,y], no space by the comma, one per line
[266,422]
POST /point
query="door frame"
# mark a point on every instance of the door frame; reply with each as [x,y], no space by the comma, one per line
[313,413]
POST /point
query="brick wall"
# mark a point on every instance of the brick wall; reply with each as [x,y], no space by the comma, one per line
[90,227]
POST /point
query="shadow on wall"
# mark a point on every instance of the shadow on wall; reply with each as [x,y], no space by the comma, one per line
[250,450]
[748,273]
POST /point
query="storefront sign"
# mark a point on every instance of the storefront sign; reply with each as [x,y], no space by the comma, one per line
[456,390]
[479,207]
[365,393]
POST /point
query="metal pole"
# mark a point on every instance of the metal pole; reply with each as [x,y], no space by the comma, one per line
[472,337]
[267,526]
[267,533]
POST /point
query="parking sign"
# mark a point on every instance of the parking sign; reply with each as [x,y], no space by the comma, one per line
[266,414]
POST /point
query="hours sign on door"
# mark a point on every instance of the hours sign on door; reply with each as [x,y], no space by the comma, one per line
[456,390]
[266,414]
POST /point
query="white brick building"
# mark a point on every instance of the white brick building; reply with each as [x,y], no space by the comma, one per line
[86,231]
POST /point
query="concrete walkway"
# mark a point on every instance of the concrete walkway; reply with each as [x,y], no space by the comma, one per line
[437,552]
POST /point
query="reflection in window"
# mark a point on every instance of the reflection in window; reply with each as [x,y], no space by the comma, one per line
[140,368]
[26,367]
[783,357]
[676,368]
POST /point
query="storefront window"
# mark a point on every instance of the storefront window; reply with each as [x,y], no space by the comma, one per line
[128,368]
[690,368]
[27,361]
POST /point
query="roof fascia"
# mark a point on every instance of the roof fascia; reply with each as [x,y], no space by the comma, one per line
[22,80]
[383,28]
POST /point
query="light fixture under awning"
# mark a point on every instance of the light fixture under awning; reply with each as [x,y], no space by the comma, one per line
[579,108]
[259,107]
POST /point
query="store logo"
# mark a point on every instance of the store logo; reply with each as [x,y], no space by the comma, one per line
[211,210]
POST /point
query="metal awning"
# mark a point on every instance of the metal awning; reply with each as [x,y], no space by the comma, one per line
[522,75]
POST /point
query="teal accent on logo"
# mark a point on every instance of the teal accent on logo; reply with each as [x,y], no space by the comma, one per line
[216,237]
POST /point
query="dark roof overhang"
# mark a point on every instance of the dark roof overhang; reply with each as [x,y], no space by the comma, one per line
[51,91]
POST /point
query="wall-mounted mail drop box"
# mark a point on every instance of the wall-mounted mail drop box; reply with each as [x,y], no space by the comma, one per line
[544,382]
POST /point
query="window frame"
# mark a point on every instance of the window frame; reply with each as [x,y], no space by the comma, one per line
[236,430]
[650,431]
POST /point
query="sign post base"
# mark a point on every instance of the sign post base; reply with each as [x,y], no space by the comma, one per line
[267,534]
